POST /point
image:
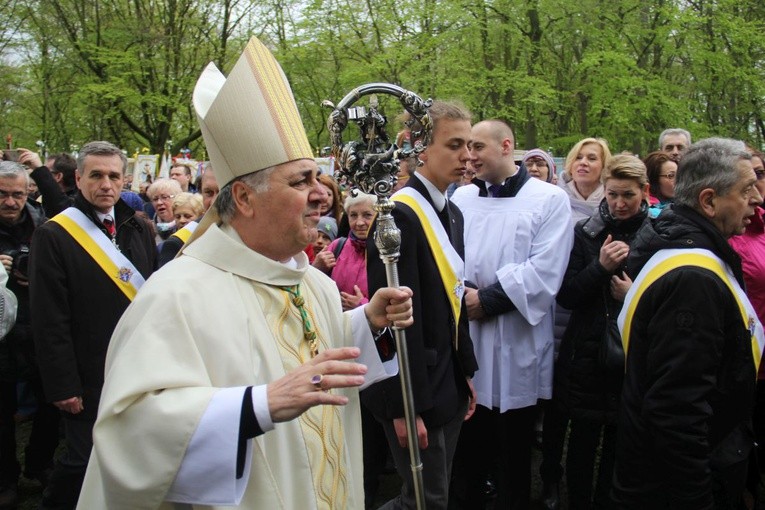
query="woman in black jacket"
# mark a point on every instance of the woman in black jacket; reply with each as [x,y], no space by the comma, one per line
[593,288]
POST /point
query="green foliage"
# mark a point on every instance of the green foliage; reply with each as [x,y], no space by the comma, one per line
[557,71]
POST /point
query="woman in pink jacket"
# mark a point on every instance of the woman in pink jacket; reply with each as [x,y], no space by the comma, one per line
[345,259]
[750,246]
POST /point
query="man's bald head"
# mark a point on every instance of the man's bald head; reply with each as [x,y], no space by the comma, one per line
[499,130]
[491,150]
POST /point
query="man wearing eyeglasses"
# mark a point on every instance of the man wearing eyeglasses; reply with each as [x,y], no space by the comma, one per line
[86,264]
[19,218]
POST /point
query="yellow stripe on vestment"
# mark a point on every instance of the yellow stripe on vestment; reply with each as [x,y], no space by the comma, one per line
[675,262]
[321,426]
[448,277]
[183,234]
[98,254]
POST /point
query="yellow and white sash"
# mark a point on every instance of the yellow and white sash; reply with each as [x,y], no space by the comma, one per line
[666,260]
[92,239]
[450,265]
[184,233]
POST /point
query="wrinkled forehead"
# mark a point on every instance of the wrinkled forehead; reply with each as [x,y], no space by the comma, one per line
[295,168]
[13,181]
[101,163]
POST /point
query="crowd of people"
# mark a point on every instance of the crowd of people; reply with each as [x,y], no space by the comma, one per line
[229,342]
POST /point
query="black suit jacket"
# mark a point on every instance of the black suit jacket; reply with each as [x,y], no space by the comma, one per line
[438,371]
[75,305]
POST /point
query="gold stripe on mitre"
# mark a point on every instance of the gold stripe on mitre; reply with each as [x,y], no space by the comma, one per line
[249,120]
[276,93]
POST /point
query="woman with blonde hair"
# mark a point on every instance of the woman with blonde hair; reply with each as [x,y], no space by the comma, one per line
[586,384]
[581,180]
[187,207]
[161,194]
[581,175]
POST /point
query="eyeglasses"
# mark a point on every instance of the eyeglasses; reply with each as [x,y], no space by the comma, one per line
[16,195]
[760,174]
[539,163]
[671,176]
[162,198]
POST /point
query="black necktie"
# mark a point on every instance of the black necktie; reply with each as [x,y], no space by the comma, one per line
[443,215]
[494,190]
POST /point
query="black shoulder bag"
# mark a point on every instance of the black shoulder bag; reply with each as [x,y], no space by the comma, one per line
[611,354]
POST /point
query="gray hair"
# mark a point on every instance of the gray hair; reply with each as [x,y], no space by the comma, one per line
[100,149]
[257,181]
[709,163]
[360,198]
[164,185]
[673,132]
[13,170]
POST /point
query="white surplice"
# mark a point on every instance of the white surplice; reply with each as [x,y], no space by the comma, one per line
[524,243]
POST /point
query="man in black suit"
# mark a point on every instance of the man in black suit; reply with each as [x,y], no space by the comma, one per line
[440,350]
[85,266]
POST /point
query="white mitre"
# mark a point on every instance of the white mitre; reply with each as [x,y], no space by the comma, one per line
[249,120]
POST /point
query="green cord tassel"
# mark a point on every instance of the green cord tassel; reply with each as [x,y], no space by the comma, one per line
[308,332]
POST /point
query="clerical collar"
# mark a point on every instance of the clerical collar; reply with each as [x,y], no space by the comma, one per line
[291,263]
[508,189]
[102,216]
[515,172]
[488,185]
[438,198]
